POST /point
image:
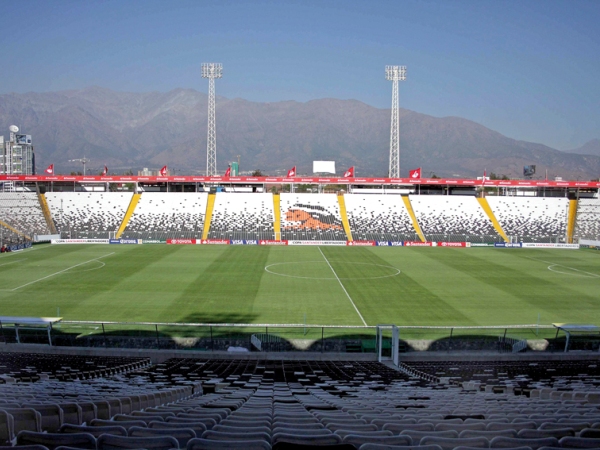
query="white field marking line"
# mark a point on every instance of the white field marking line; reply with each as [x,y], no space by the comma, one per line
[342,285]
[594,275]
[93,268]
[550,268]
[61,271]
[13,262]
[328,278]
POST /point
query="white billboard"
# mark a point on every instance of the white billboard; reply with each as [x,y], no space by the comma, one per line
[323,166]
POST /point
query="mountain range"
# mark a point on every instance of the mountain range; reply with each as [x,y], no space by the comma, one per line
[133,130]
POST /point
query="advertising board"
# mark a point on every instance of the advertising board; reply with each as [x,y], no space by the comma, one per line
[79,241]
[360,243]
[317,243]
[181,241]
[549,245]
[272,242]
[212,241]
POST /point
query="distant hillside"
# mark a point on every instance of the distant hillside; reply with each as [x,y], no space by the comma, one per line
[135,130]
[589,148]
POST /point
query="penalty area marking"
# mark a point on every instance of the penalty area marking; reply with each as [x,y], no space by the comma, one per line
[61,271]
[342,285]
[397,271]
[586,274]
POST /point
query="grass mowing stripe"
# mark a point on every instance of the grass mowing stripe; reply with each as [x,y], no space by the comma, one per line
[342,285]
[514,288]
[61,271]
[399,299]
[225,291]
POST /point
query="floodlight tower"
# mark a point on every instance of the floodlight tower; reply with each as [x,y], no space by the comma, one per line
[211,71]
[395,74]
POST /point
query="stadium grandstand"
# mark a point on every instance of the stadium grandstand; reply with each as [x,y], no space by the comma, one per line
[86,385]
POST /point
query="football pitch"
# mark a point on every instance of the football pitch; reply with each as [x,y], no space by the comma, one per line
[353,286]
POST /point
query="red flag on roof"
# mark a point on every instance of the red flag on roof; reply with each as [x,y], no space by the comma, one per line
[163,171]
[416,173]
[105,171]
[349,173]
[50,169]
[292,172]
[228,172]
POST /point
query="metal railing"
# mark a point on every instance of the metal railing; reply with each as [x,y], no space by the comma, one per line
[284,337]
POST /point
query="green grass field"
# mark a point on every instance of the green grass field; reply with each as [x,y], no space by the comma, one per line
[283,285]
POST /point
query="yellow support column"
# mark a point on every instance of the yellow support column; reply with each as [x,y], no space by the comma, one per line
[210,204]
[344,215]
[277,216]
[47,214]
[488,210]
[413,217]
[572,220]
[14,230]
[132,204]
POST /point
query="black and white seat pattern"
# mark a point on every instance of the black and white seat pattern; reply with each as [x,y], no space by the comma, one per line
[588,219]
[161,215]
[22,211]
[242,216]
[88,215]
[448,218]
[379,217]
[534,219]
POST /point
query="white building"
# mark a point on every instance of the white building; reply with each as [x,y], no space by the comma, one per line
[16,154]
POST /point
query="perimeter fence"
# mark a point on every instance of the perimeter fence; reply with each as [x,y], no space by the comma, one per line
[212,337]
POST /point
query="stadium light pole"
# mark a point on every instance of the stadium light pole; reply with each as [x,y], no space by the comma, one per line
[211,71]
[395,74]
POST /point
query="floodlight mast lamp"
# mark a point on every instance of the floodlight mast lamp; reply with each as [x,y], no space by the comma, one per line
[211,71]
[395,74]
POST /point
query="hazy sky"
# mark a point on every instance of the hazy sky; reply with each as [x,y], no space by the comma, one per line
[526,68]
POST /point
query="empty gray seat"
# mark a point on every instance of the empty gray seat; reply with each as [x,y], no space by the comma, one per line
[359,439]
[122,423]
[534,444]
[541,433]
[94,431]
[205,444]
[448,443]
[306,438]
[110,442]
[231,436]
[53,440]
[377,446]
[198,427]
[579,442]
[590,433]
[183,435]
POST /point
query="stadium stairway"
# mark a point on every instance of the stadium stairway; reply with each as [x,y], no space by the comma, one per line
[571,220]
[488,210]
[46,212]
[344,216]
[14,230]
[134,201]
[277,213]
[210,206]
[413,217]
